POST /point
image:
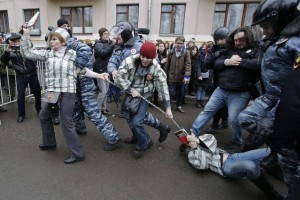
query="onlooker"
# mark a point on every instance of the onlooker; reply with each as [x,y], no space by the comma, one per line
[193,80]
[203,153]
[137,75]
[103,50]
[203,77]
[236,68]
[162,59]
[86,99]
[191,44]
[25,74]
[7,73]
[178,69]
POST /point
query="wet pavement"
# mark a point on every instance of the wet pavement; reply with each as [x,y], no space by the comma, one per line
[26,173]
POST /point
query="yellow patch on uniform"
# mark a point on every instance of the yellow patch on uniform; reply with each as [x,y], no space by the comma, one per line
[133,51]
[297,62]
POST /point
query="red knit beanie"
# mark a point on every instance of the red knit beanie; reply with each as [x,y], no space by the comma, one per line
[148,50]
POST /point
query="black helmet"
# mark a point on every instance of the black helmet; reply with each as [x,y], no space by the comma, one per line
[221,33]
[277,12]
[12,36]
[124,28]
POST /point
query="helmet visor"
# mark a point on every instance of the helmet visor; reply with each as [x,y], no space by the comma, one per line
[115,31]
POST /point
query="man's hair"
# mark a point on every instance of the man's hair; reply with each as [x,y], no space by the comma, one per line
[180,38]
[248,34]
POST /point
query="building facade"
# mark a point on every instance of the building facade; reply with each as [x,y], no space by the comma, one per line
[166,19]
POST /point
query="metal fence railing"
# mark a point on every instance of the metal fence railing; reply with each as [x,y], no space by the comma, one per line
[8,84]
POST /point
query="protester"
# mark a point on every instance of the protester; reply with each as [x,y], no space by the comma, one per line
[25,74]
[137,75]
[127,43]
[86,100]
[220,38]
[236,68]
[203,154]
[60,75]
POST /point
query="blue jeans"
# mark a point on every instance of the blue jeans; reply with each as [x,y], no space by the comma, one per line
[234,100]
[136,124]
[177,89]
[200,92]
[242,165]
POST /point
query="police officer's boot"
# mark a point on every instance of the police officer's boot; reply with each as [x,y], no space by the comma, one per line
[271,166]
[264,185]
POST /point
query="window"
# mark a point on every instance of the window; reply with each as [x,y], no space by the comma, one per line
[80,18]
[172,19]
[4,26]
[129,13]
[36,28]
[233,15]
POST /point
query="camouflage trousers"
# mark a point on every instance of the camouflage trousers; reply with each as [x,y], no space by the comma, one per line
[289,162]
[258,120]
[91,108]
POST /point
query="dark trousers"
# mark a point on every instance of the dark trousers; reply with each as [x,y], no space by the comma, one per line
[66,103]
[35,88]
[177,89]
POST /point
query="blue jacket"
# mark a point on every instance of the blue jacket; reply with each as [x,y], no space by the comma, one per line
[83,55]
[278,61]
[131,47]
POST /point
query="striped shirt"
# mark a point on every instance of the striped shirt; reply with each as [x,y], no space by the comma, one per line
[128,78]
[207,158]
[60,72]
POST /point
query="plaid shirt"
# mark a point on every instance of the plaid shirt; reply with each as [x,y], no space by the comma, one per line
[60,72]
[127,78]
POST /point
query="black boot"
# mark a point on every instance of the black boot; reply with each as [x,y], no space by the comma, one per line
[271,166]
[264,185]
[164,130]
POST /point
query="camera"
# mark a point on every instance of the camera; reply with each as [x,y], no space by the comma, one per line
[15,48]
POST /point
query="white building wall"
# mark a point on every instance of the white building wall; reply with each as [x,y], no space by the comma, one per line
[198,15]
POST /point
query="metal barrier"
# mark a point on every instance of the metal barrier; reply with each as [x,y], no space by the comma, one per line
[9,82]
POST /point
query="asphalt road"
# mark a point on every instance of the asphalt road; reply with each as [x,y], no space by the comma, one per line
[26,173]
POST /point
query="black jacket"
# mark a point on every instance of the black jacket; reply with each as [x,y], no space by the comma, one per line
[22,66]
[287,122]
[102,52]
[237,78]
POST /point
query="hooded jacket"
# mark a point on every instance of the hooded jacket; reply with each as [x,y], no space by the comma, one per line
[206,155]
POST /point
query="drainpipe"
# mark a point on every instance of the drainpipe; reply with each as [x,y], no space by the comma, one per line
[149,17]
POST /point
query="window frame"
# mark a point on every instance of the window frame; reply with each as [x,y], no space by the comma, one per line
[34,31]
[69,18]
[226,12]
[4,24]
[127,13]
[172,27]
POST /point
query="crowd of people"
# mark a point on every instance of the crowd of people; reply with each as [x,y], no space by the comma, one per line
[258,64]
